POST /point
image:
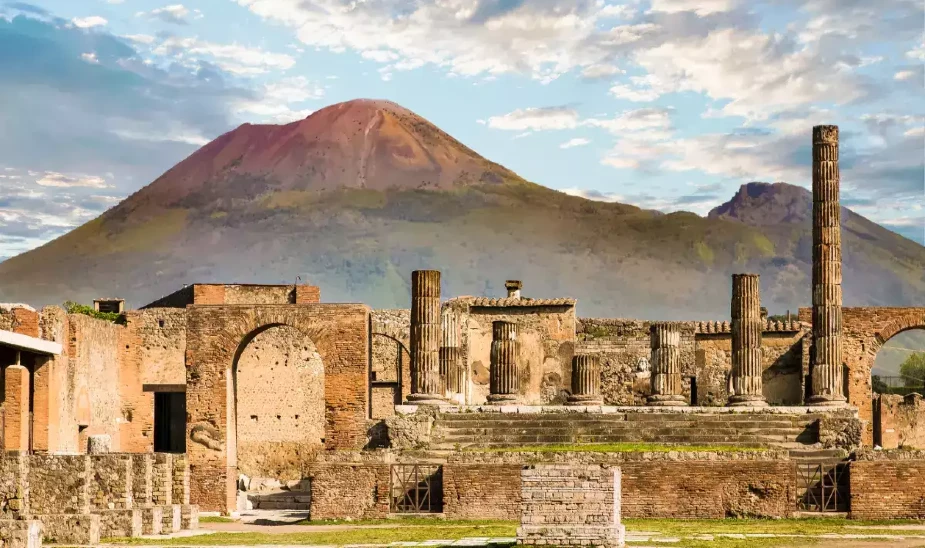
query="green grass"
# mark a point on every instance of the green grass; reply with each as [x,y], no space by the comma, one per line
[414,521]
[356,536]
[216,519]
[624,447]
[803,526]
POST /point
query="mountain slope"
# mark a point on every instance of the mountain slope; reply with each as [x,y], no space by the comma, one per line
[359,194]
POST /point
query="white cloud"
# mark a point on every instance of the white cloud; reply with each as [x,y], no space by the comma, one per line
[90,57]
[276,102]
[634,120]
[89,22]
[234,58]
[53,179]
[536,119]
[140,38]
[904,75]
[576,142]
[176,14]
[917,52]
[700,7]
[601,70]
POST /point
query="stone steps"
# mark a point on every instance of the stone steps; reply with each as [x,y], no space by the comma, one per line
[744,429]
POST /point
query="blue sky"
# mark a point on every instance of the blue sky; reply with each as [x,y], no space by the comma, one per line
[665,104]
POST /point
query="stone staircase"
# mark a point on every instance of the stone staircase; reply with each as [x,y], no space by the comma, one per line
[479,429]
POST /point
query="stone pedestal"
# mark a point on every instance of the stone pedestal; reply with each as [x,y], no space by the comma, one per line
[504,379]
[425,339]
[570,505]
[586,381]
[747,326]
[826,350]
[665,379]
[99,444]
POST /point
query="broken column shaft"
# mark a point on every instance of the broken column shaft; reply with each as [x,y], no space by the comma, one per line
[450,354]
[586,381]
[425,338]
[826,359]
[665,341]
[504,379]
[747,326]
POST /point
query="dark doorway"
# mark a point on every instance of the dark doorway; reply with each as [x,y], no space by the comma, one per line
[693,390]
[170,422]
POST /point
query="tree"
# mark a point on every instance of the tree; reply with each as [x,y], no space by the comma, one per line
[913,370]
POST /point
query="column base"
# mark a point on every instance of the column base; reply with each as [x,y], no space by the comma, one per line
[747,400]
[502,399]
[426,399]
[666,400]
[584,399]
[827,401]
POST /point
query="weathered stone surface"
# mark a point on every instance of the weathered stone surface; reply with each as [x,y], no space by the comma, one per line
[586,381]
[504,374]
[152,520]
[172,518]
[189,517]
[59,484]
[841,433]
[888,488]
[426,384]
[70,528]
[121,523]
[411,431]
[666,365]
[99,444]
[746,375]
[570,505]
[111,478]
[20,533]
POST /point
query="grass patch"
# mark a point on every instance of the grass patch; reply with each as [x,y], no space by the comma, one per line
[216,519]
[803,526]
[336,538]
[623,447]
[735,543]
[414,521]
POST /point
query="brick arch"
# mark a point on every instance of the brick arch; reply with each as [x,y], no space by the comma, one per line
[215,337]
[392,331]
[896,327]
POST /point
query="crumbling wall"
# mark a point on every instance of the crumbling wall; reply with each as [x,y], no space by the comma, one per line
[390,374]
[259,294]
[111,478]
[901,421]
[546,335]
[479,491]
[95,348]
[888,485]
[354,491]
[162,336]
[279,382]
[59,484]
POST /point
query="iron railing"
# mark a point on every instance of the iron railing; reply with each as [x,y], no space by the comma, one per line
[823,487]
[416,489]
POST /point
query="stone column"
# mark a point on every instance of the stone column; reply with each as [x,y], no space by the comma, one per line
[665,340]
[504,379]
[586,381]
[826,356]
[16,405]
[745,379]
[425,338]
[450,354]
[513,288]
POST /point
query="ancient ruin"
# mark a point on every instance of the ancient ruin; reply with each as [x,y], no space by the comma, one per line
[221,397]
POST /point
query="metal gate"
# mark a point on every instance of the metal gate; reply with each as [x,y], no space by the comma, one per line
[416,489]
[823,487]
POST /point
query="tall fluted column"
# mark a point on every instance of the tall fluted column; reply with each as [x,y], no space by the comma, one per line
[665,341]
[425,338]
[827,297]
[586,381]
[745,382]
[504,379]
[450,354]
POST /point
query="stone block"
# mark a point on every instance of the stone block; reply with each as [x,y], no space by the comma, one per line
[121,523]
[70,528]
[172,518]
[152,520]
[99,444]
[20,533]
[189,517]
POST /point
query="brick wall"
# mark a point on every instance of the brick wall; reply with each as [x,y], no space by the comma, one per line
[391,359]
[208,294]
[181,477]
[25,321]
[214,335]
[162,479]
[482,491]
[162,343]
[887,489]
[349,491]
[111,479]
[307,294]
[900,420]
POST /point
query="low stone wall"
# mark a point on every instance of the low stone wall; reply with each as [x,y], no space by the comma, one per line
[899,421]
[59,484]
[345,490]
[111,482]
[479,491]
[888,487]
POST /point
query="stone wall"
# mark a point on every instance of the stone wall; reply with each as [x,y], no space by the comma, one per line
[14,489]
[900,420]
[279,381]
[232,294]
[162,335]
[390,375]
[111,482]
[479,491]
[887,489]
[349,490]
[546,336]
[59,484]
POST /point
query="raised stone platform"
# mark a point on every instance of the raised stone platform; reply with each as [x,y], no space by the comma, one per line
[570,505]
[507,426]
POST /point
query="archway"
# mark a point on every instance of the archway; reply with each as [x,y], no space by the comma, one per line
[279,404]
[897,380]
[389,375]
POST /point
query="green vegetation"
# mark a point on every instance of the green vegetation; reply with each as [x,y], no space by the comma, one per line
[408,521]
[624,447]
[76,308]
[705,253]
[216,519]
[912,370]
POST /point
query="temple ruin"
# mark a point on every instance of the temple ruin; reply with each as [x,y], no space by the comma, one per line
[220,394]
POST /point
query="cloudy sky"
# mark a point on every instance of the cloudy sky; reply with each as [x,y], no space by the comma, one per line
[666,104]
